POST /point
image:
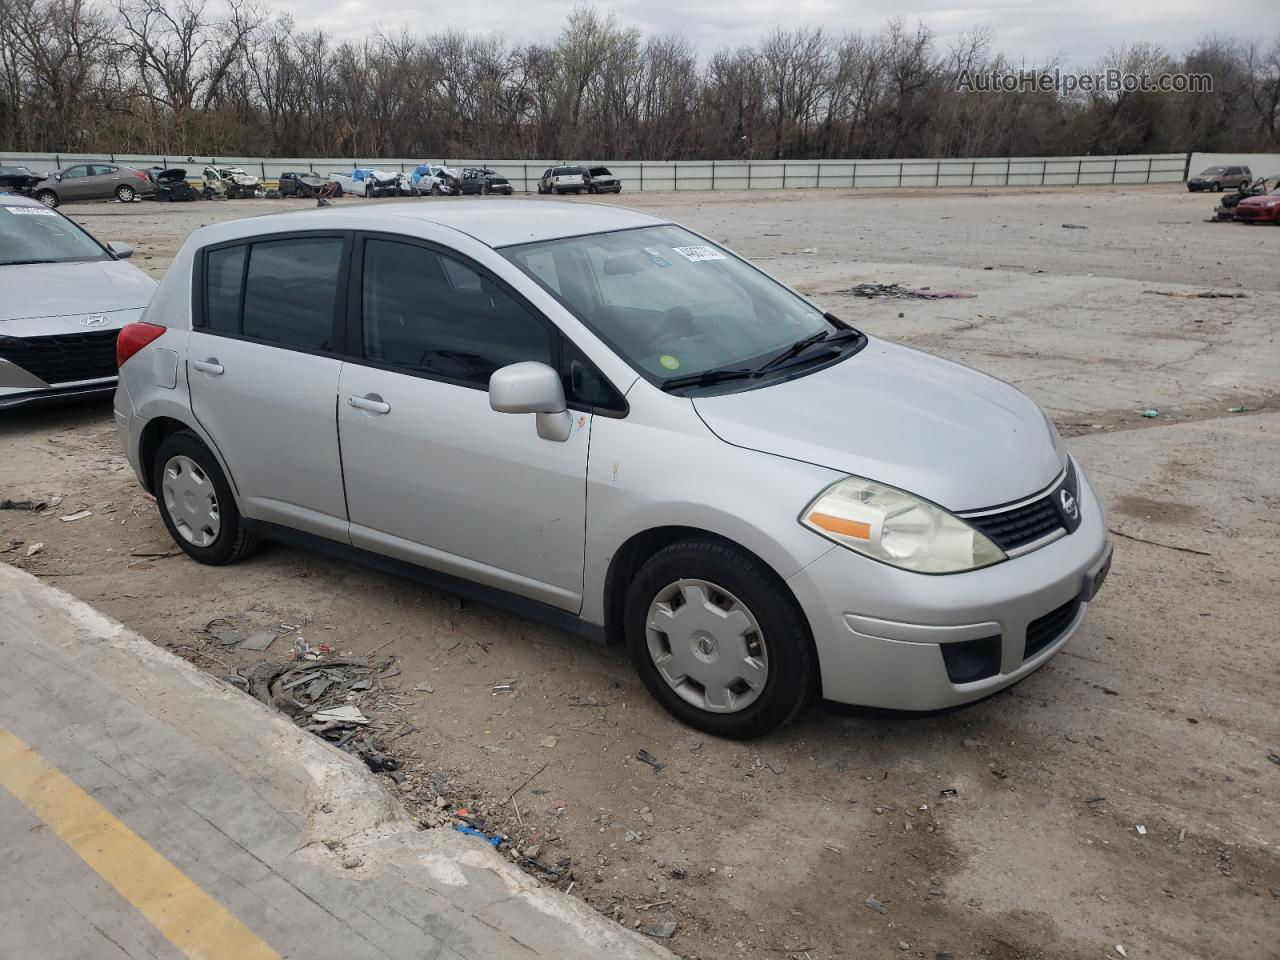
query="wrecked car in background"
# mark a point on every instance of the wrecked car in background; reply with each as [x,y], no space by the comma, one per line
[436,179]
[1226,208]
[21,180]
[93,181]
[308,186]
[231,183]
[171,184]
[1260,208]
[602,180]
[368,182]
[64,297]
[483,181]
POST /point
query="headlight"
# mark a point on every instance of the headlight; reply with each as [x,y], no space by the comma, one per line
[897,528]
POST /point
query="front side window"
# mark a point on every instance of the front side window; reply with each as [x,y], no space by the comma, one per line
[30,234]
[433,314]
[284,292]
[670,303]
[71,173]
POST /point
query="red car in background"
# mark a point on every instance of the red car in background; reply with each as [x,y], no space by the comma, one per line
[1264,208]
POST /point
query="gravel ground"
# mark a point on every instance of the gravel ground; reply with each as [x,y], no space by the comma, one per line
[1161,712]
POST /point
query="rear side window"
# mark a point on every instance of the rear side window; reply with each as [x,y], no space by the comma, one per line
[427,312]
[283,292]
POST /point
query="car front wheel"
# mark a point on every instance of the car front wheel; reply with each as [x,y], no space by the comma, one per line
[196,503]
[718,640]
[47,197]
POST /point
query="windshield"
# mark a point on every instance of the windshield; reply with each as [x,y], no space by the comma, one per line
[670,303]
[41,235]
[1214,172]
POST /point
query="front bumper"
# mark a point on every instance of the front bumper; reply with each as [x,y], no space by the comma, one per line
[36,396]
[880,630]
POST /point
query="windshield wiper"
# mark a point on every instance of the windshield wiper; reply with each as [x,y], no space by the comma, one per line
[708,377]
[800,346]
[24,263]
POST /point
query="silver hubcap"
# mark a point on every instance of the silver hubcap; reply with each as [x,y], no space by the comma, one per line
[707,646]
[191,501]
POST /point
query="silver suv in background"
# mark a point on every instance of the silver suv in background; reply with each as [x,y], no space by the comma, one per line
[601,419]
[96,180]
[571,179]
[1218,179]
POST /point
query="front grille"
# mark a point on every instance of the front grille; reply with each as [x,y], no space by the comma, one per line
[1043,631]
[64,358]
[1015,528]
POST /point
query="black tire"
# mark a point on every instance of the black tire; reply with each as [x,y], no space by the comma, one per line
[792,672]
[233,542]
[47,197]
[337,193]
[1217,187]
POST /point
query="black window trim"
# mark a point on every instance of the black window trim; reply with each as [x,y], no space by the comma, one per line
[354,352]
[337,333]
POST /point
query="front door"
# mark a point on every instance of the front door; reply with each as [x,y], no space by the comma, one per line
[263,370]
[433,475]
[76,183]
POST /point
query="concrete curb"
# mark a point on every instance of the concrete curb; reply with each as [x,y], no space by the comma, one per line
[463,896]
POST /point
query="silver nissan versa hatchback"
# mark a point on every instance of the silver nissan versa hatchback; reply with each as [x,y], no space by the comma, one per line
[601,419]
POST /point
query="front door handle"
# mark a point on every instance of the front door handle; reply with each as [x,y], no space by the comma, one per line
[210,366]
[372,403]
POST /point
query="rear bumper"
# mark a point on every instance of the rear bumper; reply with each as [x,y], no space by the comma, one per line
[880,631]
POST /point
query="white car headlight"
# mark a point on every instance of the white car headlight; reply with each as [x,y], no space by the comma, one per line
[897,528]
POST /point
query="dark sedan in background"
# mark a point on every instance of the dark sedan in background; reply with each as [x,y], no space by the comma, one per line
[21,180]
[483,180]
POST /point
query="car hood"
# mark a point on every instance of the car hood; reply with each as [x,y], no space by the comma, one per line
[65,289]
[898,416]
[1260,200]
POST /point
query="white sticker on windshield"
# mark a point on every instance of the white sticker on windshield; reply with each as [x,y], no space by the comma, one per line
[699,253]
[31,211]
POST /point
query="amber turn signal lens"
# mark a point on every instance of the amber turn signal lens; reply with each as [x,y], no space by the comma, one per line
[847,528]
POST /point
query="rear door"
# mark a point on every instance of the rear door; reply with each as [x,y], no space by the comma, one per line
[263,362]
[433,475]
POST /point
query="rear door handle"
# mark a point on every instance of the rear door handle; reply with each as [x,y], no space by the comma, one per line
[210,366]
[372,403]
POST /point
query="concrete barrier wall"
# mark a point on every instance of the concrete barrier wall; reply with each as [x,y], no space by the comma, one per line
[721,174]
[1259,164]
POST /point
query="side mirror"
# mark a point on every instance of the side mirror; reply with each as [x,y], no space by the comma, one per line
[532,387]
[121,250]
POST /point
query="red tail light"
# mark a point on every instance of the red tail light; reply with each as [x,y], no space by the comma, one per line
[140,175]
[133,337]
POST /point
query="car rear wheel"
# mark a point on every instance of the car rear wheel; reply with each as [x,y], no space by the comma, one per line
[125,193]
[718,640]
[1217,187]
[47,197]
[196,503]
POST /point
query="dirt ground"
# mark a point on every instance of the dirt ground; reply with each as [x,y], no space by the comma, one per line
[1160,714]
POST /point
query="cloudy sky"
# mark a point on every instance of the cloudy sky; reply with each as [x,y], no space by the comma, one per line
[1077,30]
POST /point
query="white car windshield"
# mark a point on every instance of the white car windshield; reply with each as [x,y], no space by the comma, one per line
[40,235]
[670,303]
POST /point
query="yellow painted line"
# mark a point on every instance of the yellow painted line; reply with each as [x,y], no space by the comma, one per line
[188,917]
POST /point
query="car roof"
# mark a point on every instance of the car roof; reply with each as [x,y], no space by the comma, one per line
[499,223]
[18,200]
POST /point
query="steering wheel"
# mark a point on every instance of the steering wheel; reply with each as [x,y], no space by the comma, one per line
[677,324]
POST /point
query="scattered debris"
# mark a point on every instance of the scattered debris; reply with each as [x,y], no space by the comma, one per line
[1141,830]
[1157,543]
[897,292]
[1074,226]
[508,686]
[1095,799]
[342,714]
[1119,948]
[351,861]
[644,756]
[1151,414]
[664,929]
[34,549]
[903,945]
[423,686]
[1274,757]
[78,515]
[260,640]
[876,905]
[549,741]
[1203,295]
[1240,409]
[34,505]
[495,840]
[949,792]
[647,816]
